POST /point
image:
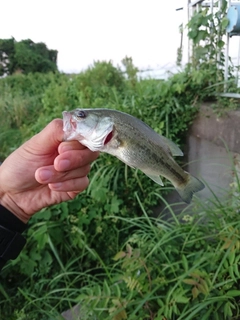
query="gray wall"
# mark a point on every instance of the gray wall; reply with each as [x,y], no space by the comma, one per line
[212,153]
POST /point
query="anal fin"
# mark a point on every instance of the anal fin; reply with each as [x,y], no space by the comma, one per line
[174,150]
[156,179]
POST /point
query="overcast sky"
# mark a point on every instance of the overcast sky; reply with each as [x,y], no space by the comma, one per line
[86,30]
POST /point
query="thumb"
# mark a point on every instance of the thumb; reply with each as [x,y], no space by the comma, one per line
[49,138]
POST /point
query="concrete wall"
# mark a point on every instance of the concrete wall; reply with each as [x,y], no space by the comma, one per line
[215,129]
[213,150]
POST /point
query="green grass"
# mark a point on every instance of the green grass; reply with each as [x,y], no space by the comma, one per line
[184,268]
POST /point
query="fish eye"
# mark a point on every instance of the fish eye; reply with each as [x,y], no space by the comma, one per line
[81,114]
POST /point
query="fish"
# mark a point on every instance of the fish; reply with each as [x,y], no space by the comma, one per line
[133,142]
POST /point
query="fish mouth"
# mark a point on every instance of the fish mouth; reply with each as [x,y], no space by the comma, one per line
[73,124]
[108,138]
[67,121]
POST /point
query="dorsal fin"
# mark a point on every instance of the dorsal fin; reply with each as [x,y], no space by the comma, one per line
[170,146]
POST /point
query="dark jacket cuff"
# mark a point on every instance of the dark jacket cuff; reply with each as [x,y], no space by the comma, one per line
[11,240]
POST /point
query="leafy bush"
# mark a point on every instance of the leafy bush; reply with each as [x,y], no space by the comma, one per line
[20,106]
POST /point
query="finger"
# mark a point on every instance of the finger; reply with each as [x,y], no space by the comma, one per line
[74,159]
[73,194]
[70,145]
[48,174]
[71,185]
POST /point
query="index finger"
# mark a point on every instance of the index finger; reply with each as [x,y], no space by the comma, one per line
[74,159]
[70,145]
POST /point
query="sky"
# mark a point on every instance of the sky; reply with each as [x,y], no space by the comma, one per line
[84,31]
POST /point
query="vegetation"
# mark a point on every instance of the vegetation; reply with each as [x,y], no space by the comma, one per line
[117,260]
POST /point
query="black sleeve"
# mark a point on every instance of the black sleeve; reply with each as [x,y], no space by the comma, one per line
[11,240]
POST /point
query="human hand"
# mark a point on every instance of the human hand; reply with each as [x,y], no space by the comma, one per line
[44,171]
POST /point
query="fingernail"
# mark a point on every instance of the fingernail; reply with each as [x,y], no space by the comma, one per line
[64,164]
[45,174]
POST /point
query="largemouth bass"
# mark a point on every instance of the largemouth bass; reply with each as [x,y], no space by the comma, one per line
[133,142]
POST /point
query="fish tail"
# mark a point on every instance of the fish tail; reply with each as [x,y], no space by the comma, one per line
[187,190]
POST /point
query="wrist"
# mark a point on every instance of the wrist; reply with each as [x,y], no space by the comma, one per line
[7,202]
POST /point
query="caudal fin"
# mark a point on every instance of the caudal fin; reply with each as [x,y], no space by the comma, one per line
[186,191]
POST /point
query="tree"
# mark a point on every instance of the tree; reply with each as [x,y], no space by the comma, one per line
[131,70]
[26,56]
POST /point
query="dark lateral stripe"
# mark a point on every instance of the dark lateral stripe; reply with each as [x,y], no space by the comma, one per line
[159,160]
